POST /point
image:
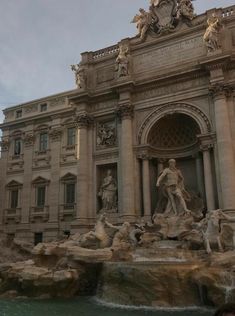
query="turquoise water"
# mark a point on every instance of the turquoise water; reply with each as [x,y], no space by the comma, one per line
[83,307]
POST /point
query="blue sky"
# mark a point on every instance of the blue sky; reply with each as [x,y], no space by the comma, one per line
[40,39]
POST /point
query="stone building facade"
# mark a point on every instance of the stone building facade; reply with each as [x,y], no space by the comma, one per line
[101,147]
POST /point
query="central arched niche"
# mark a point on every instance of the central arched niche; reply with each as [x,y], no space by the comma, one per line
[174,131]
[175,136]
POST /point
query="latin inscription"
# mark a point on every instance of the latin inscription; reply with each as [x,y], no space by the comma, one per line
[173,88]
[172,54]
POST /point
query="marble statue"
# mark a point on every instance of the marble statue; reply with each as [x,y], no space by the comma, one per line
[136,234]
[80,76]
[211,229]
[98,238]
[121,238]
[143,22]
[185,9]
[108,192]
[211,36]
[161,224]
[122,61]
[172,181]
[106,135]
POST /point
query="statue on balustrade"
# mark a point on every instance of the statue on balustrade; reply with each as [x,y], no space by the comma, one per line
[123,61]
[108,193]
[211,36]
[80,76]
[171,182]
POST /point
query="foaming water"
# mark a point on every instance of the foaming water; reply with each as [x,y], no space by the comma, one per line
[88,307]
[190,310]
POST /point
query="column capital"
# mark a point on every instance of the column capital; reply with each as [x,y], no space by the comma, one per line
[29,139]
[207,141]
[220,90]
[206,147]
[84,120]
[124,111]
[144,156]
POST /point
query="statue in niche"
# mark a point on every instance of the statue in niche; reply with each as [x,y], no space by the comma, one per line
[143,22]
[172,182]
[185,9]
[80,76]
[108,193]
[123,61]
[211,36]
[106,135]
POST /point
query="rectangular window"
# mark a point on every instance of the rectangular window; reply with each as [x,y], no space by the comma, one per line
[14,198]
[43,142]
[70,193]
[71,136]
[17,147]
[41,196]
[18,113]
[38,238]
[43,107]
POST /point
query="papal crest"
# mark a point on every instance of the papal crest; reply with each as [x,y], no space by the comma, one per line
[164,12]
[163,17]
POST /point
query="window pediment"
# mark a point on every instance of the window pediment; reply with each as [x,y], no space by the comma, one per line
[14,184]
[40,180]
[69,177]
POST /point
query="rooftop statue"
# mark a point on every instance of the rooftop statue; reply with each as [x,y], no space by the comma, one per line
[143,22]
[80,76]
[211,36]
[122,61]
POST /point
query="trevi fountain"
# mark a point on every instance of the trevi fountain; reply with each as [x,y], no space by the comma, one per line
[179,260]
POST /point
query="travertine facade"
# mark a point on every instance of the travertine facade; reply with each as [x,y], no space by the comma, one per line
[168,94]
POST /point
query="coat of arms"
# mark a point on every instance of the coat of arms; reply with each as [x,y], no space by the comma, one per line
[163,16]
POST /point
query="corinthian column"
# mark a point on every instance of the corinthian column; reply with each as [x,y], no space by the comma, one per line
[29,140]
[83,121]
[146,187]
[225,146]
[125,113]
[210,198]
[55,141]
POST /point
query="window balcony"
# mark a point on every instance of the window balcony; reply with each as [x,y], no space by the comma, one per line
[40,213]
[12,215]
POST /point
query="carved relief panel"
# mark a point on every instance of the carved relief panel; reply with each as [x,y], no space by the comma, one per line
[106,134]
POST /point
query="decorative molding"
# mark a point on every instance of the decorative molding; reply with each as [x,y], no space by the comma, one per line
[55,134]
[57,101]
[172,108]
[31,108]
[29,139]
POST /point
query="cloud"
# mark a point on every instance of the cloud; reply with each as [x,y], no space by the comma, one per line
[41,38]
